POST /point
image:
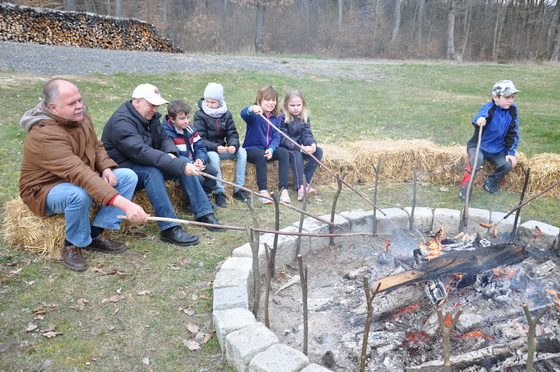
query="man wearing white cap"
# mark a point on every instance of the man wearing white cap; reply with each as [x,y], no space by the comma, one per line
[134,138]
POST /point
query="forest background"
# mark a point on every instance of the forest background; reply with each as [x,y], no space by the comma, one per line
[463,30]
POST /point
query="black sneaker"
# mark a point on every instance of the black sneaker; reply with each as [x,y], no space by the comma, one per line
[240,195]
[210,218]
[492,189]
[220,199]
[214,206]
[176,235]
[463,194]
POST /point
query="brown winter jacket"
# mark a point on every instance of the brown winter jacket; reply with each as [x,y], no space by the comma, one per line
[57,150]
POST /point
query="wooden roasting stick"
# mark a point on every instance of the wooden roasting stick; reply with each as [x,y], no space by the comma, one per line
[269,198]
[322,165]
[457,262]
[239,228]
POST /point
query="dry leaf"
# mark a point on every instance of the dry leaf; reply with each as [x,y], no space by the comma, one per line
[191,345]
[193,328]
[495,232]
[146,361]
[143,293]
[207,337]
[443,188]
[39,317]
[538,233]
[51,334]
[31,327]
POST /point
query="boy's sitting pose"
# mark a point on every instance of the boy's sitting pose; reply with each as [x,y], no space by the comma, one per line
[500,134]
[217,129]
[177,125]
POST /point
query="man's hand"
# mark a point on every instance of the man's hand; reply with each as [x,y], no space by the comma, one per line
[513,160]
[134,212]
[110,177]
[191,170]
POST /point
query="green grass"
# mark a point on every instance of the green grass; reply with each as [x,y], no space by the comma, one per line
[403,101]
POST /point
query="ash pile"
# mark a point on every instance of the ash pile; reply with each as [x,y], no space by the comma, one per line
[490,289]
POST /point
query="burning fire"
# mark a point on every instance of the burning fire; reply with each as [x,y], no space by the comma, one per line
[503,273]
[404,310]
[555,295]
[430,249]
[476,334]
[416,337]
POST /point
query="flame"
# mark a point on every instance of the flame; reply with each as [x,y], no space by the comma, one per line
[555,295]
[405,310]
[431,249]
[447,320]
[503,273]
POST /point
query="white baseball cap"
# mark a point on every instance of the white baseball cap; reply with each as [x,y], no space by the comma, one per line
[150,93]
[504,88]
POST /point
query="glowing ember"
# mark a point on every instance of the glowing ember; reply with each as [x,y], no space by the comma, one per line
[503,273]
[416,337]
[476,334]
[555,295]
[404,310]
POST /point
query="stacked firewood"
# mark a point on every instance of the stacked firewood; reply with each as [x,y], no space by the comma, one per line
[86,30]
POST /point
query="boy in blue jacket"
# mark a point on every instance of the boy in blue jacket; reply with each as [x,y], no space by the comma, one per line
[500,135]
[189,143]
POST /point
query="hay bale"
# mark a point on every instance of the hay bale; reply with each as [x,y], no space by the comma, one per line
[25,229]
[545,170]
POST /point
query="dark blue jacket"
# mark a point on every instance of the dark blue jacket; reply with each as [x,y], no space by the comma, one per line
[130,139]
[501,132]
[260,135]
[298,131]
[189,142]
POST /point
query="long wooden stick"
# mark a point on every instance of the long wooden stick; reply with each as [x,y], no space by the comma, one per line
[269,198]
[239,228]
[469,187]
[321,164]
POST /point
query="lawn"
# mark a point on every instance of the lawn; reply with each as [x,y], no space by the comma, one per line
[133,311]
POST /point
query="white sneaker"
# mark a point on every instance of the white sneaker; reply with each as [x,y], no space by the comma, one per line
[285,197]
[265,200]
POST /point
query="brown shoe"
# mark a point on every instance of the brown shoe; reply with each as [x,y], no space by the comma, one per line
[73,259]
[102,244]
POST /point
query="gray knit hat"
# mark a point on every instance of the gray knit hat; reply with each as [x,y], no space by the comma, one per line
[214,91]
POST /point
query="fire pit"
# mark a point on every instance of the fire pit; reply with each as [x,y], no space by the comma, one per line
[405,331]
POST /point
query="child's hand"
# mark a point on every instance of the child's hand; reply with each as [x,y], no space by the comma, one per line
[231,149]
[309,149]
[256,109]
[222,150]
[268,154]
[199,164]
[481,121]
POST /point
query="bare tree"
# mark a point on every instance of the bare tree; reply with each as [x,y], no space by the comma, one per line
[396,21]
[451,30]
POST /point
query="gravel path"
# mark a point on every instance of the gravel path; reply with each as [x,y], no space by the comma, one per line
[61,60]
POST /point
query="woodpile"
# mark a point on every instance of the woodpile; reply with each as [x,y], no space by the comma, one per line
[85,30]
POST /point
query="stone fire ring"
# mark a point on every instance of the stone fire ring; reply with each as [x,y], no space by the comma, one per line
[249,344]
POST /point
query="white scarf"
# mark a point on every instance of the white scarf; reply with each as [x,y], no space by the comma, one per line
[215,113]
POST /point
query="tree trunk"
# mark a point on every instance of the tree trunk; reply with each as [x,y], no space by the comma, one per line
[70,5]
[420,20]
[466,28]
[119,8]
[340,10]
[556,43]
[259,30]
[396,21]
[451,31]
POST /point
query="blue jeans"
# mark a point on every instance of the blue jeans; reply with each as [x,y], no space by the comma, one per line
[153,181]
[241,157]
[499,160]
[256,156]
[74,202]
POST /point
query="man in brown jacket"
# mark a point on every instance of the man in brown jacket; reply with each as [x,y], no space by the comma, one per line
[65,167]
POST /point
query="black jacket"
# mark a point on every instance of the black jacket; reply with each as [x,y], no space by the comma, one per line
[216,131]
[130,139]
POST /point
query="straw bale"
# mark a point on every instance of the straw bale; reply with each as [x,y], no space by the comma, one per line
[25,229]
[545,171]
